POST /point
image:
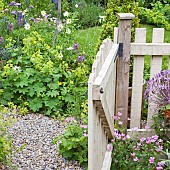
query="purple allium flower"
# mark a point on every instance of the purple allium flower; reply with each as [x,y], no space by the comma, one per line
[159,168]
[10,27]
[12,3]
[1,39]
[14,12]
[158,88]
[151,160]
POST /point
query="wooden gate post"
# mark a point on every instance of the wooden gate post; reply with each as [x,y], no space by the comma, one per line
[123,62]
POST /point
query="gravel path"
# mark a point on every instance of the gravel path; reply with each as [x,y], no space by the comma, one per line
[35,133]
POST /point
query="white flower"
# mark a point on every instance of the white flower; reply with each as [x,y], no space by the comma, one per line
[60,27]
[68,21]
[17,68]
[23,13]
[70,48]
[43,13]
[68,31]
[60,55]
[66,14]
[76,6]
[27,26]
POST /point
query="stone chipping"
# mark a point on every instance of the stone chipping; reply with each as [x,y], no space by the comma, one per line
[33,149]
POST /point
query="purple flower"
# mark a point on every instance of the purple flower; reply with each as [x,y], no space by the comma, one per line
[75,46]
[80,58]
[17,4]
[10,27]
[1,39]
[32,19]
[31,6]
[12,3]
[159,168]
[158,88]
[20,21]
[14,12]
[20,16]
[151,160]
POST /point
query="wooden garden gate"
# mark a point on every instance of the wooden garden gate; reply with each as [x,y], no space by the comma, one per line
[108,87]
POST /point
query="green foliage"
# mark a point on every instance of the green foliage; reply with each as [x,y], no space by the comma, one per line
[158,15]
[1,7]
[84,9]
[111,21]
[5,139]
[134,153]
[73,143]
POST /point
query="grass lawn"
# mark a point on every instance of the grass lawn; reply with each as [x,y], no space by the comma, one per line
[88,39]
[149,29]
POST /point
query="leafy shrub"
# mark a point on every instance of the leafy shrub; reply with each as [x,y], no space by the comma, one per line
[156,16]
[73,143]
[5,139]
[40,77]
[111,21]
[87,13]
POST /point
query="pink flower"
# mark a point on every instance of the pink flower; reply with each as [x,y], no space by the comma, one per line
[159,167]
[135,129]
[159,149]
[147,127]
[142,139]
[135,159]
[120,123]
[151,160]
[119,114]
[109,147]
[115,117]
[133,154]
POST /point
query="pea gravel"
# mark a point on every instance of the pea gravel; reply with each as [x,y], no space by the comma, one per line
[33,149]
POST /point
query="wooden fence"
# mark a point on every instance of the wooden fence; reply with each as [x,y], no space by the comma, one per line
[108,87]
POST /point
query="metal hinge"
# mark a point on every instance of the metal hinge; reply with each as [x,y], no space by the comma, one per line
[119,52]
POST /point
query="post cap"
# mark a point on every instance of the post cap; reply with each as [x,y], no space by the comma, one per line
[125,16]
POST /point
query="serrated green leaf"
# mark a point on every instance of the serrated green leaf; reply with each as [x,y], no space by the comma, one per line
[52,103]
[53,93]
[53,86]
[35,104]
[69,98]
